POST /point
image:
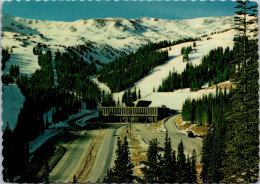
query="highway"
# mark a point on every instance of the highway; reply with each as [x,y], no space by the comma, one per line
[71,161]
[174,134]
[176,137]
[105,156]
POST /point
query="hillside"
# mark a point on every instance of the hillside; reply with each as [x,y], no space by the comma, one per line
[175,63]
[100,40]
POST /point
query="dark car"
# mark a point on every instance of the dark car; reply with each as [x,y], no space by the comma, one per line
[190,134]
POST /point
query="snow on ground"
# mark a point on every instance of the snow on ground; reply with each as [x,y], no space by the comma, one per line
[102,86]
[21,55]
[175,63]
[106,38]
[174,100]
[82,122]
[12,102]
[41,139]
[118,33]
[57,128]
[205,85]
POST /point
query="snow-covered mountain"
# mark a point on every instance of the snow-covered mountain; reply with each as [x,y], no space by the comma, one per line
[103,39]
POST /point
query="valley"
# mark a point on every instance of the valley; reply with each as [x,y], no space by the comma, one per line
[93,147]
[56,76]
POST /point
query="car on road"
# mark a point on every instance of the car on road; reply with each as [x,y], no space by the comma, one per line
[190,134]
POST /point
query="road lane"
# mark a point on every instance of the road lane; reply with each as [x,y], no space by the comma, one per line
[174,134]
[71,161]
[105,156]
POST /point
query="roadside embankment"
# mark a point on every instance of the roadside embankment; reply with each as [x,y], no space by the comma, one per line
[185,126]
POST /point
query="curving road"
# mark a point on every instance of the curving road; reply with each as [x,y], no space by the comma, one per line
[176,137]
[71,161]
[174,134]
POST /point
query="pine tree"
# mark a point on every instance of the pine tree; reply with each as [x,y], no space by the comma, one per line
[152,169]
[74,179]
[128,166]
[193,174]
[241,159]
[206,156]
[110,176]
[118,102]
[122,172]
[185,55]
[188,170]
[181,176]
[8,153]
[242,127]
[182,50]
[139,94]
[168,162]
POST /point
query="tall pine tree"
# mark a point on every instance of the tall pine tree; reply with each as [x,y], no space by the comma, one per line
[181,176]
[241,161]
[168,162]
[193,175]
[152,169]
[123,169]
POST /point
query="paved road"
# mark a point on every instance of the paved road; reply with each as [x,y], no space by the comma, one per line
[69,164]
[105,156]
[176,137]
[174,134]
[71,161]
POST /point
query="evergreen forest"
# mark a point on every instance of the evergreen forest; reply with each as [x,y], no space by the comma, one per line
[230,149]
[215,68]
[130,96]
[166,167]
[122,73]
[5,57]
[208,110]
[41,96]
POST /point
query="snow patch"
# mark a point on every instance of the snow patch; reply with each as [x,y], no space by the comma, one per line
[174,100]
[175,63]
[83,122]
[56,128]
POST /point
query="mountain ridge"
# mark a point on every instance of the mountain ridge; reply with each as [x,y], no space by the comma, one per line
[103,39]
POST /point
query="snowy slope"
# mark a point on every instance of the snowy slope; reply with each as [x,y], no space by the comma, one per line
[103,39]
[174,100]
[126,32]
[22,56]
[154,78]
